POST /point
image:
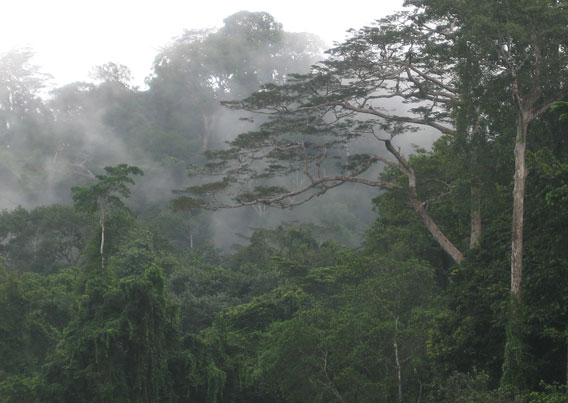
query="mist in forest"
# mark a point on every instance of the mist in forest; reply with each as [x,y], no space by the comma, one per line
[52,142]
[267,219]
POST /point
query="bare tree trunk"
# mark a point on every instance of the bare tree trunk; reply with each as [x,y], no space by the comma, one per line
[518,207]
[418,206]
[514,363]
[475,231]
[420,389]
[329,382]
[397,361]
[435,231]
[208,123]
[102,249]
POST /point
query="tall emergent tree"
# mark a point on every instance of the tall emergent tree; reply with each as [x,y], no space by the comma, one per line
[521,48]
[103,197]
[202,68]
[336,124]
[20,104]
[24,121]
[472,71]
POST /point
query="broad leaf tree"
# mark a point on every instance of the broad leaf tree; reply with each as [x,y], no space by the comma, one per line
[117,346]
[20,103]
[44,240]
[202,68]
[339,124]
[103,197]
[521,48]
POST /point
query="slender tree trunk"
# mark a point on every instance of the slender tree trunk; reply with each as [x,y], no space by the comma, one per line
[329,382]
[566,386]
[514,363]
[208,123]
[397,361]
[102,249]
[421,387]
[519,207]
[475,231]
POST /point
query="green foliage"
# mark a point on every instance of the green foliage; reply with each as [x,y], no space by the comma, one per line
[102,198]
[117,347]
[474,387]
[291,316]
[202,291]
[261,193]
[43,240]
[104,194]
[139,250]
[467,388]
[21,109]
[560,106]
[347,351]
[183,229]
[515,362]
[34,311]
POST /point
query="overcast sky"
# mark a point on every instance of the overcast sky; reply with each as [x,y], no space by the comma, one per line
[69,37]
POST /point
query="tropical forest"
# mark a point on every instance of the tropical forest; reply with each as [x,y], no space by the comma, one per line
[272,219]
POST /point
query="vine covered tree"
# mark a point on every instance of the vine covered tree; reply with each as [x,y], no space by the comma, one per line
[103,197]
[521,48]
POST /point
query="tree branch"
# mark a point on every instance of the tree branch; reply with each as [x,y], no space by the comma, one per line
[396,118]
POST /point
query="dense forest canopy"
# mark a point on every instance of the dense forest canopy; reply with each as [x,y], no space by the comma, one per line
[455,288]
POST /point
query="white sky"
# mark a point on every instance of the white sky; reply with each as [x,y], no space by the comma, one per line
[69,37]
